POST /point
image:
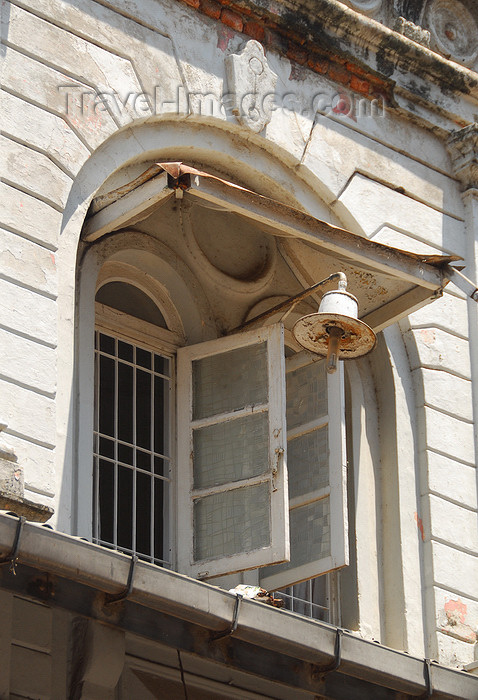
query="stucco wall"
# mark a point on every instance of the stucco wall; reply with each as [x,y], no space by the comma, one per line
[378,172]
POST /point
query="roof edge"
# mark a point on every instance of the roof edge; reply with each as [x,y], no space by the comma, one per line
[179,596]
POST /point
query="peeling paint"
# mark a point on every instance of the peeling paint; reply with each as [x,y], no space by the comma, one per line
[419,523]
[455,611]
[453,621]
[224,36]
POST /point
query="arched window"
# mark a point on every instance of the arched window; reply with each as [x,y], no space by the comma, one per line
[134,397]
[175,367]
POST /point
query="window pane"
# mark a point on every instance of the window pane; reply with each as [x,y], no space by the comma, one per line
[161,515]
[143,460]
[308,462]
[106,500]
[308,598]
[161,416]
[125,454]
[125,402]
[125,351]
[309,535]
[231,522]
[229,451]
[143,513]
[107,344]
[143,358]
[143,409]
[161,466]
[306,394]
[125,507]
[107,448]
[131,300]
[161,365]
[129,505]
[230,380]
[107,395]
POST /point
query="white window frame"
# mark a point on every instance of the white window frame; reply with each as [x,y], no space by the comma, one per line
[275,476]
[336,491]
[161,341]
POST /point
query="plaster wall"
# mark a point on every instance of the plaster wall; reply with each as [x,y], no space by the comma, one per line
[383,175]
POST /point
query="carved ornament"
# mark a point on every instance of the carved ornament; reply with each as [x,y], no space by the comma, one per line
[453,27]
[463,148]
[251,85]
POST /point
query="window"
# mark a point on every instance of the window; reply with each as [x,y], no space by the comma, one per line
[235,446]
[203,255]
[316,461]
[236,424]
[132,462]
[231,454]
[132,442]
[317,598]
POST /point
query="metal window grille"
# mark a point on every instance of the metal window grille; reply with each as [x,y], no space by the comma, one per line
[311,598]
[132,458]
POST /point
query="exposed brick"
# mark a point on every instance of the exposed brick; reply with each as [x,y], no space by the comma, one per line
[319,65]
[339,75]
[231,19]
[359,85]
[356,70]
[192,3]
[297,54]
[211,8]
[254,30]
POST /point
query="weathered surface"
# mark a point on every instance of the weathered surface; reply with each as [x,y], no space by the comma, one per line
[363,128]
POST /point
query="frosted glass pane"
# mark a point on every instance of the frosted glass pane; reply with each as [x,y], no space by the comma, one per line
[229,451]
[306,394]
[231,522]
[309,535]
[229,381]
[308,462]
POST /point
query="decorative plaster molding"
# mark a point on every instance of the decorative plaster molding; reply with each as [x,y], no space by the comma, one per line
[454,29]
[366,5]
[412,31]
[250,82]
[6,452]
[463,148]
[12,487]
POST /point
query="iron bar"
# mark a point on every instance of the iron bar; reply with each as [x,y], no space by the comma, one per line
[284,305]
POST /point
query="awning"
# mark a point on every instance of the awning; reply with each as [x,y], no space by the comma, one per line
[389,283]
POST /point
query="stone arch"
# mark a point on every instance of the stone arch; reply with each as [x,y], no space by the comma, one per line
[221,147]
[218,147]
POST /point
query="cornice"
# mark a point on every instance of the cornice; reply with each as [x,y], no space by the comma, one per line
[463,148]
[334,27]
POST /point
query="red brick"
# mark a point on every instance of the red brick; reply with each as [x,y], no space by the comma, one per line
[211,8]
[271,38]
[356,70]
[358,85]
[339,75]
[231,19]
[319,65]
[338,59]
[297,54]
[254,30]
[192,3]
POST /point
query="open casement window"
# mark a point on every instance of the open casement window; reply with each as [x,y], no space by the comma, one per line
[316,459]
[232,476]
